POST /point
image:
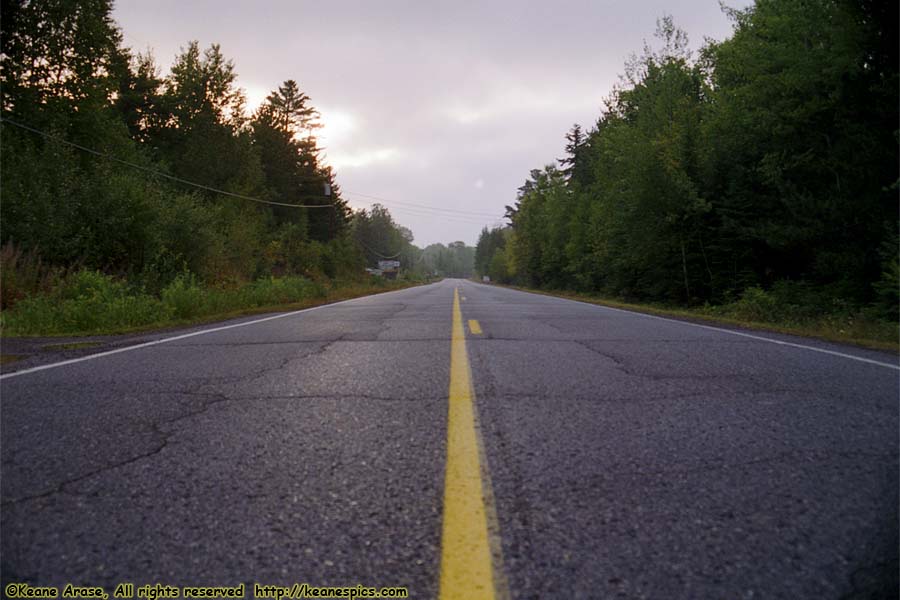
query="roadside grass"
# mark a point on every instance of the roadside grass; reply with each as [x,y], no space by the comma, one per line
[91,303]
[756,310]
[5,359]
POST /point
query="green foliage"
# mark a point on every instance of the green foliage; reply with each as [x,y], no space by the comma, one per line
[88,301]
[498,270]
[184,296]
[282,291]
[342,259]
[453,260]
[800,140]
[490,254]
[756,305]
[65,73]
[72,212]
[541,224]
[887,288]
[379,236]
[766,171]
[58,55]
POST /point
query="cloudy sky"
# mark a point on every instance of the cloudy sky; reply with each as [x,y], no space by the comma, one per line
[439,109]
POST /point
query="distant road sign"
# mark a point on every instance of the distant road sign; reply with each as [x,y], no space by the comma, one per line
[388,265]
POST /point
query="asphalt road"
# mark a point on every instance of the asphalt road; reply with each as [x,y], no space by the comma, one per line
[629,456]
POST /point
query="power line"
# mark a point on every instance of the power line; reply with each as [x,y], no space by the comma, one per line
[422,206]
[408,207]
[453,218]
[418,212]
[378,254]
[155,172]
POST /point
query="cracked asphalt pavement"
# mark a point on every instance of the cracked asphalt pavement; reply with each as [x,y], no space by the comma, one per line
[630,456]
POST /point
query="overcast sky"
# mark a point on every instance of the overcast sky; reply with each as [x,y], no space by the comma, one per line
[439,104]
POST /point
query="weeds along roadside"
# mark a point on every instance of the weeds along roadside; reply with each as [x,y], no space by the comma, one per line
[46,301]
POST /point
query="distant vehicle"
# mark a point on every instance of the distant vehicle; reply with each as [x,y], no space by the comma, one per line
[486,278]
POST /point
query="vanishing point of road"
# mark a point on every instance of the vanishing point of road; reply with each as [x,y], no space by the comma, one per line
[462,441]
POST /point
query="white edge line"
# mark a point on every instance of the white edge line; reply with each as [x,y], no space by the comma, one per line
[729,331]
[185,335]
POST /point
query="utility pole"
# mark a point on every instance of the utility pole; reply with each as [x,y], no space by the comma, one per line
[331,224]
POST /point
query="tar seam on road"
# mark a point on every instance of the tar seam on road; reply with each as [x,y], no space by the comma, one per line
[470,549]
[180,337]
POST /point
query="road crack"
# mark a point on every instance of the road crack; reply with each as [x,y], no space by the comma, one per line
[156,427]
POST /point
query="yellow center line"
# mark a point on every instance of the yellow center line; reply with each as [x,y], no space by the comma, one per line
[474,327]
[467,550]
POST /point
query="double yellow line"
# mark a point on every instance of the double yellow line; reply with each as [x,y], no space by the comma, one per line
[470,549]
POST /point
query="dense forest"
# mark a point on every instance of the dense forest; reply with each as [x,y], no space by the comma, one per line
[380,238]
[110,167]
[765,168]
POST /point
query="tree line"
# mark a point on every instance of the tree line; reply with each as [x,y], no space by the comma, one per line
[769,161]
[101,153]
[383,239]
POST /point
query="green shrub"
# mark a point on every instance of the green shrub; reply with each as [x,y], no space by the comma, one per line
[85,302]
[887,288]
[285,290]
[184,297]
[756,305]
[90,302]
[90,285]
